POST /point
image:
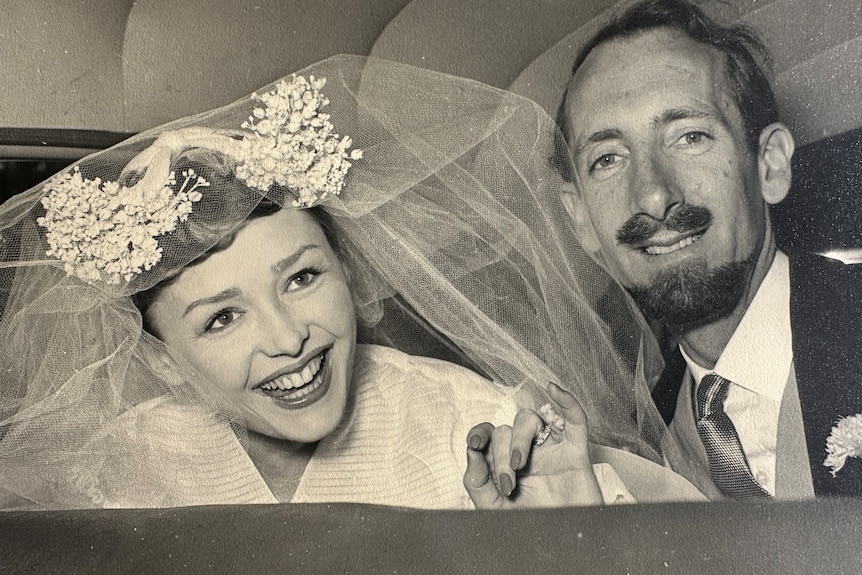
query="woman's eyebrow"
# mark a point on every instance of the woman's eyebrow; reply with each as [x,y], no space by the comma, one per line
[277,267]
[217,298]
[290,260]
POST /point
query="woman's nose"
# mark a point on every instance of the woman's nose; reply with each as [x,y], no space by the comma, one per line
[654,187]
[284,332]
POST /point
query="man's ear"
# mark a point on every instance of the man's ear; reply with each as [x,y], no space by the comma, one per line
[576,209]
[776,150]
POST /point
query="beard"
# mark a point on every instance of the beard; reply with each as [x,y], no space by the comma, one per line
[693,295]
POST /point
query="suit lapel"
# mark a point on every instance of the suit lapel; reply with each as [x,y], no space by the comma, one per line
[792,467]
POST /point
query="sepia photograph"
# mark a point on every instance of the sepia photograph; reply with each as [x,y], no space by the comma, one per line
[431,286]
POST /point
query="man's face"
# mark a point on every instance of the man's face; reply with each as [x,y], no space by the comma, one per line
[667,182]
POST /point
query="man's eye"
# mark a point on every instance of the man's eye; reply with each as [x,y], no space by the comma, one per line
[694,138]
[694,142]
[604,162]
[221,320]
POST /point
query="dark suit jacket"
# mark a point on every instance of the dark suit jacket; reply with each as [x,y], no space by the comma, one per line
[826,323]
[826,320]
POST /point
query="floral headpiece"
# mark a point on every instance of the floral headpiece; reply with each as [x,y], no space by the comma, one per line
[292,144]
[103,231]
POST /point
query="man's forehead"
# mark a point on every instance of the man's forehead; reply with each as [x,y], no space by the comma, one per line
[660,62]
[645,45]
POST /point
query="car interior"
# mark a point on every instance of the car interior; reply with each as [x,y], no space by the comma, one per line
[83,76]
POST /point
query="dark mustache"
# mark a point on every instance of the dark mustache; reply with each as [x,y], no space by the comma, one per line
[640,228]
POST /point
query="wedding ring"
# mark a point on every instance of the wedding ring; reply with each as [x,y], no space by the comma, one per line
[543,435]
[553,422]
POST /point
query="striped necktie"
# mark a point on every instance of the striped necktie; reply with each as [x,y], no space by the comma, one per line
[727,465]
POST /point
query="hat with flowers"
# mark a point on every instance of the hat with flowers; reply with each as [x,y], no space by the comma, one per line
[104,231]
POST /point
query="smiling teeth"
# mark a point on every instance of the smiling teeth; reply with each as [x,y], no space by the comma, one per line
[660,250]
[296,379]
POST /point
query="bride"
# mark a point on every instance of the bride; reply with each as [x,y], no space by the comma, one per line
[182,310]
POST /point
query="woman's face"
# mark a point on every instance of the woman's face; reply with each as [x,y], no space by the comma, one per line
[270,322]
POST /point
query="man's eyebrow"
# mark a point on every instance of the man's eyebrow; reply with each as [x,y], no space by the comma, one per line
[675,114]
[596,138]
[217,298]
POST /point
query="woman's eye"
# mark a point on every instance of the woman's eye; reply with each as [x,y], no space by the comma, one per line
[302,279]
[221,320]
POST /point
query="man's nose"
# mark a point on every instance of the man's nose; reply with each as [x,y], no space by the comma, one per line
[654,187]
[284,332]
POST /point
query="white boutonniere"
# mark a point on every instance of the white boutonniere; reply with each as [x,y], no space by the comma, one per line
[844,441]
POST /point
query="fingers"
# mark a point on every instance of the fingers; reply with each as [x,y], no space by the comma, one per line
[511,447]
[478,482]
[479,436]
[499,455]
[525,428]
[495,454]
[481,479]
[489,454]
[567,403]
[577,430]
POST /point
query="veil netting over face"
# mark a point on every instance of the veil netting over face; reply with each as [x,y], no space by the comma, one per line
[456,243]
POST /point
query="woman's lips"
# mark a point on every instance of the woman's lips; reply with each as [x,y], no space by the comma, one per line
[300,389]
[296,379]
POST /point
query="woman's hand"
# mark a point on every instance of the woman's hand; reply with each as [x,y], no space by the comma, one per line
[506,469]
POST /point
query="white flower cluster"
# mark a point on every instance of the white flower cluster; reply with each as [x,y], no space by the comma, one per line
[844,441]
[104,232]
[293,144]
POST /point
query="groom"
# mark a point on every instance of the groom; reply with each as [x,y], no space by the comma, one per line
[678,153]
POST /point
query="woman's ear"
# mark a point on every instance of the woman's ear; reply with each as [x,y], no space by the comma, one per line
[776,150]
[576,209]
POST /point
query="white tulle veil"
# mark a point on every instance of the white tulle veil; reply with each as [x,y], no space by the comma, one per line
[457,244]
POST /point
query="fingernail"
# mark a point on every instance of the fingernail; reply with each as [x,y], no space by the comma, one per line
[506,484]
[474,441]
[516,459]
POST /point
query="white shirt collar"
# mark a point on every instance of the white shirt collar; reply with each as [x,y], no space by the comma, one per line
[759,355]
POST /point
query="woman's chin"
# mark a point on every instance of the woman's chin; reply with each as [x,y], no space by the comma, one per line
[307,414]
[309,424]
